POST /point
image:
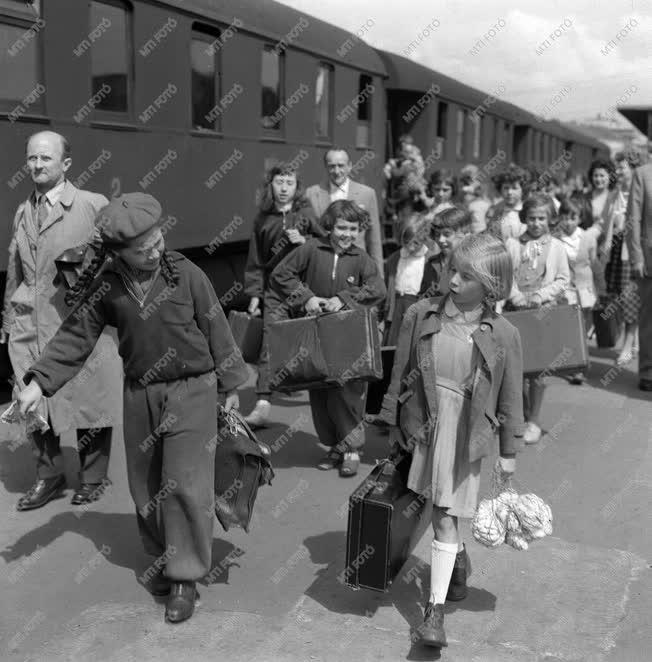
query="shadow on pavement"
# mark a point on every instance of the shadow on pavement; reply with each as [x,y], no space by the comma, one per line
[290,447]
[408,594]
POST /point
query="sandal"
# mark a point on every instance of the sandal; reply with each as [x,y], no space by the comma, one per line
[350,464]
[331,460]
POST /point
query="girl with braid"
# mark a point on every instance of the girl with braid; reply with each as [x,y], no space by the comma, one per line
[178,353]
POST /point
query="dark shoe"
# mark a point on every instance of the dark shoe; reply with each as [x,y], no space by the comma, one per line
[160,585]
[350,464]
[461,570]
[89,492]
[42,492]
[577,379]
[645,384]
[432,630]
[331,460]
[181,603]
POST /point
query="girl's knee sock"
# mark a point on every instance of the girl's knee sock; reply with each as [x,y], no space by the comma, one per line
[441,568]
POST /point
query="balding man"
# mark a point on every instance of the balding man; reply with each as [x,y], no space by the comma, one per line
[340,187]
[56,217]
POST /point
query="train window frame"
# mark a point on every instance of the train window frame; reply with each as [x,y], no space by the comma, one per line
[27,22]
[442,124]
[460,133]
[364,127]
[271,132]
[325,138]
[208,34]
[476,148]
[99,114]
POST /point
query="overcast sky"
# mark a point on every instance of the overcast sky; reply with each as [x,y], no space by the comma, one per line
[572,68]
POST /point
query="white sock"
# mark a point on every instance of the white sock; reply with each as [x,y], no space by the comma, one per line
[441,568]
[460,546]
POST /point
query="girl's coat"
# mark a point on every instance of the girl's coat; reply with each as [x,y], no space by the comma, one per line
[496,401]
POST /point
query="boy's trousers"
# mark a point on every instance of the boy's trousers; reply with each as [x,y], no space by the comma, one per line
[338,414]
[170,432]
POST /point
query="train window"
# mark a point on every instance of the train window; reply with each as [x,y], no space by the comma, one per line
[272,88]
[205,82]
[364,98]
[459,134]
[477,137]
[21,88]
[442,120]
[111,55]
[324,101]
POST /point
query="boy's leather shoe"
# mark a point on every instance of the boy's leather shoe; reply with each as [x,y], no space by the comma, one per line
[42,492]
[181,603]
[645,384]
[432,631]
[259,417]
[159,585]
[89,492]
[461,570]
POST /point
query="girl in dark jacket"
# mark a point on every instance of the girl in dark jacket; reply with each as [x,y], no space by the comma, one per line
[284,220]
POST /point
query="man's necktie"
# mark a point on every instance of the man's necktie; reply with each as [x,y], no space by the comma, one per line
[42,211]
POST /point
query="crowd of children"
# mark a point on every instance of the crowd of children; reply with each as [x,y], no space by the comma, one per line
[462,257]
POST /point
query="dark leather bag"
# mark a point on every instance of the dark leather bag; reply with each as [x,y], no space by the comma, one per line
[242,465]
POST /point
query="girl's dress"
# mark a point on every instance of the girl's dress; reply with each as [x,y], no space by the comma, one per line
[580,247]
[441,470]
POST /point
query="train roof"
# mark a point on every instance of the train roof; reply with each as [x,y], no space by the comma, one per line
[404,74]
[274,20]
[637,115]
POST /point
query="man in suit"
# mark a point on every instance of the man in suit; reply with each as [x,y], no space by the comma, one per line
[340,187]
[56,217]
[639,244]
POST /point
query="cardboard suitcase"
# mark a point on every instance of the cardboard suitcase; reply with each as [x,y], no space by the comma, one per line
[386,521]
[553,339]
[248,334]
[377,390]
[324,350]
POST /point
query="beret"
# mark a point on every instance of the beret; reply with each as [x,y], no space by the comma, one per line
[127,217]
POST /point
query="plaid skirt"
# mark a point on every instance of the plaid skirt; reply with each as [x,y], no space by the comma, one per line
[620,285]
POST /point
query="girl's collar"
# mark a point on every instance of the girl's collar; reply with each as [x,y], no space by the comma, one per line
[452,311]
[543,239]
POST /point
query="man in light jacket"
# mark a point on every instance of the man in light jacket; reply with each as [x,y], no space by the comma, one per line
[56,217]
[340,187]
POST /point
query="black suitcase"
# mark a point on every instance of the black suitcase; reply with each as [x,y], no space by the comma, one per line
[385,524]
[325,350]
[242,465]
[605,323]
[377,390]
[553,339]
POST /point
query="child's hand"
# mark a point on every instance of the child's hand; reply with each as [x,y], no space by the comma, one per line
[333,304]
[314,305]
[29,397]
[519,300]
[232,401]
[536,300]
[254,306]
[295,236]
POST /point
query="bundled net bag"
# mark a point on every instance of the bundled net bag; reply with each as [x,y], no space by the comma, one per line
[32,421]
[510,518]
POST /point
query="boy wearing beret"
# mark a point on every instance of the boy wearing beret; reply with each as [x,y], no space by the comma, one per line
[178,352]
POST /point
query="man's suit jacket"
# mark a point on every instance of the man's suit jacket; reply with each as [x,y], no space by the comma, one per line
[365,196]
[639,219]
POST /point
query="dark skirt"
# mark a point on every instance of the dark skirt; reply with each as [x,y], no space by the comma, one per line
[619,283]
[401,304]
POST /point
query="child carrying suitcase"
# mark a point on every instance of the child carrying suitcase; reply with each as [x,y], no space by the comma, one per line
[324,275]
[456,379]
[176,358]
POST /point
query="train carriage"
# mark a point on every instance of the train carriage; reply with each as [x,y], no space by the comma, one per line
[188,100]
